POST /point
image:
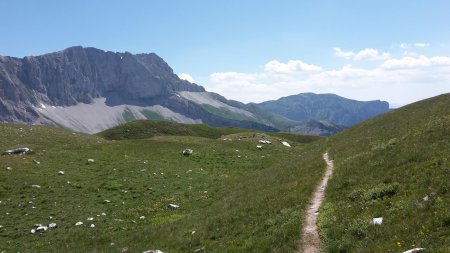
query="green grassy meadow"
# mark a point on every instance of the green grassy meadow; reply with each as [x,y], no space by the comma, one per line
[235,197]
[232,197]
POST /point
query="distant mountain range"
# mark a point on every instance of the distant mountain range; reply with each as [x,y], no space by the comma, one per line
[310,106]
[90,90]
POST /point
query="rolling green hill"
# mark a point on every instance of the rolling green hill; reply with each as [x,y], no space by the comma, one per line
[142,129]
[395,166]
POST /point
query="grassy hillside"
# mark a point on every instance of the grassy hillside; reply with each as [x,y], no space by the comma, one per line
[395,166]
[232,196]
[142,129]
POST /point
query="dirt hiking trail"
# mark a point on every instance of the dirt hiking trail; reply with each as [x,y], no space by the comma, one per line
[310,240]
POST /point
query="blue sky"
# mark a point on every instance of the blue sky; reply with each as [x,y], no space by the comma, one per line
[230,46]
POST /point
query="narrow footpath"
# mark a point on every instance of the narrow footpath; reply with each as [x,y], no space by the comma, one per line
[310,237]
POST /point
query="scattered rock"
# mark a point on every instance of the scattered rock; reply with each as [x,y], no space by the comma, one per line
[107,201]
[377,221]
[41,229]
[60,172]
[426,198]
[104,214]
[142,217]
[36,161]
[153,251]
[286,144]
[259,147]
[79,223]
[1,226]
[8,168]
[17,151]
[92,225]
[265,142]
[414,250]
[52,225]
[202,249]
[90,160]
[193,232]
[36,186]
[187,152]
[173,206]
[90,218]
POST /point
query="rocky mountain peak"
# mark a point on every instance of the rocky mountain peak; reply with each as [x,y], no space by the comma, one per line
[78,75]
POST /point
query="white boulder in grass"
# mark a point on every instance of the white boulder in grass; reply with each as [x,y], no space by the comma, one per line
[285,143]
[17,151]
[153,251]
[52,225]
[90,218]
[142,217]
[377,221]
[60,172]
[173,206]
[92,225]
[36,186]
[79,223]
[414,250]
[259,147]
[41,228]
[90,160]
[187,152]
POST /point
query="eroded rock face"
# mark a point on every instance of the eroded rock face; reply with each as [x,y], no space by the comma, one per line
[77,75]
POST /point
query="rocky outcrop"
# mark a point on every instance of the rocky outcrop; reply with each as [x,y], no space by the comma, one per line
[78,75]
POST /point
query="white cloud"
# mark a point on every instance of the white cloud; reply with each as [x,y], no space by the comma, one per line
[366,53]
[414,62]
[187,77]
[421,44]
[404,46]
[397,80]
[371,54]
[290,67]
[343,54]
[407,46]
